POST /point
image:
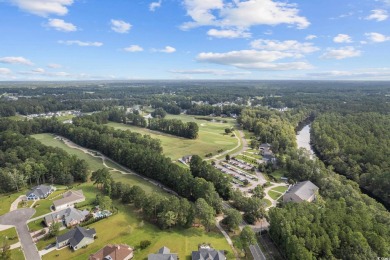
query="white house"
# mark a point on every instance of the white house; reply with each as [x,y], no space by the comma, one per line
[69,198]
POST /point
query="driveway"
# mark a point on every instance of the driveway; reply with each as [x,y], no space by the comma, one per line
[18,218]
[14,205]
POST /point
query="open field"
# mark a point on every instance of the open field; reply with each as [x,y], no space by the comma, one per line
[97,163]
[211,138]
[116,229]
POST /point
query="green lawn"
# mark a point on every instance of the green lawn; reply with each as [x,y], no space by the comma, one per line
[7,199]
[274,195]
[211,138]
[116,229]
[278,174]
[280,189]
[43,206]
[10,234]
[267,202]
[36,225]
[17,254]
[246,159]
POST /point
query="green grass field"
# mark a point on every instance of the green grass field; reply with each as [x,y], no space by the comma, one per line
[7,199]
[116,229]
[274,195]
[10,234]
[211,138]
[267,202]
[280,189]
[17,254]
[278,174]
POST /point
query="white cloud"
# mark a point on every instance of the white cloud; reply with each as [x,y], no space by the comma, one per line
[167,49]
[120,26]
[363,74]
[44,7]
[253,59]
[61,25]
[285,46]
[310,37]
[81,43]
[133,48]
[378,14]
[16,60]
[242,14]
[342,53]
[342,38]
[38,70]
[210,71]
[54,66]
[231,34]
[377,37]
[154,5]
[5,71]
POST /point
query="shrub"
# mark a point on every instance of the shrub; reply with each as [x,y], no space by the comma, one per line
[144,244]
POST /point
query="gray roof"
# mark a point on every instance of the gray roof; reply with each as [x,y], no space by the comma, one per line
[40,190]
[265,145]
[163,253]
[303,190]
[208,254]
[75,235]
[69,197]
[68,214]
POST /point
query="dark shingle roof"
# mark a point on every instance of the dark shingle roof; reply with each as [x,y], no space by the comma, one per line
[40,190]
[76,235]
[208,254]
[163,253]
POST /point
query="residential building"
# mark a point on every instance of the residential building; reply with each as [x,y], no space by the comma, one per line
[69,198]
[205,252]
[76,238]
[39,192]
[302,191]
[69,217]
[113,252]
[163,254]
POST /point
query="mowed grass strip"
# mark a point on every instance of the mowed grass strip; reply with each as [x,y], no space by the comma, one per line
[281,189]
[274,195]
[211,138]
[127,227]
[97,163]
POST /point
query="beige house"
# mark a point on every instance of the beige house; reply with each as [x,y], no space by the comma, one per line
[69,198]
[113,252]
[302,191]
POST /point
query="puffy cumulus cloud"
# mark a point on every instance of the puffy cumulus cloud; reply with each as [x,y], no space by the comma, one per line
[5,71]
[231,34]
[81,43]
[378,15]
[285,46]
[377,37]
[254,59]
[362,74]
[133,48]
[310,37]
[210,72]
[54,66]
[44,7]
[167,49]
[341,53]
[61,25]
[154,5]
[242,14]
[120,26]
[16,60]
[342,38]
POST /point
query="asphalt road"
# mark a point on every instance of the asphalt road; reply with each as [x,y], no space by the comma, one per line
[18,218]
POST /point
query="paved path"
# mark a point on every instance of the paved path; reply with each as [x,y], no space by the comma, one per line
[16,245]
[18,218]
[14,205]
[228,239]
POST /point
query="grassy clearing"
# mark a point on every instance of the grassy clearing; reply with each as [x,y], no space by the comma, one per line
[7,199]
[267,202]
[211,138]
[36,225]
[278,174]
[280,189]
[247,159]
[181,241]
[274,195]
[43,206]
[10,234]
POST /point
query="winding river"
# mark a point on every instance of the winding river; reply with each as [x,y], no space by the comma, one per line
[303,139]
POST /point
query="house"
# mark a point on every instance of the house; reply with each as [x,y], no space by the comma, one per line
[186,159]
[302,191]
[205,252]
[266,152]
[113,252]
[265,146]
[69,216]
[163,254]
[39,192]
[69,198]
[76,238]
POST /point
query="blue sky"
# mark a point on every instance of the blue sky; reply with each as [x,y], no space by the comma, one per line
[194,39]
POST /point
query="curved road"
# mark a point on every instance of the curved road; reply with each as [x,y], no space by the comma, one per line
[18,219]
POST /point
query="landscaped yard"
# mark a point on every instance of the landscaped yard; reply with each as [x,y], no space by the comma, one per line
[115,229]
[278,174]
[7,199]
[267,202]
[274,195]
[211,138]
[17,254]
[281,189]
[10,234]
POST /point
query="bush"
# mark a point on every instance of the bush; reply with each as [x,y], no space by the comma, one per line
[144,244]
